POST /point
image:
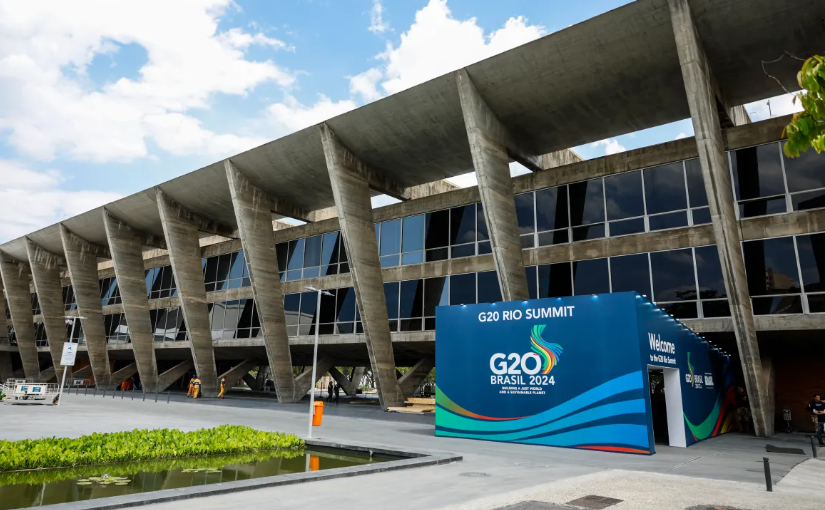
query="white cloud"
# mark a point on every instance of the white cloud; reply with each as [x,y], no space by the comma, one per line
[180,134]
[773,107]
[680,136]
[49,106]
[291,115]
[377,24]
[469,179]
[22,187]
[610,145]
[435,44]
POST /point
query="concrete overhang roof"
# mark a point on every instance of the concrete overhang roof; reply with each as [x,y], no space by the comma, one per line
[610,75]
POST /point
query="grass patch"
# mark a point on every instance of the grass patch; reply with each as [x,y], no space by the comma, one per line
[140,445]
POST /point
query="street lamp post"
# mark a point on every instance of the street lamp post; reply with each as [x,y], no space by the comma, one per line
[71,338]
[315,355]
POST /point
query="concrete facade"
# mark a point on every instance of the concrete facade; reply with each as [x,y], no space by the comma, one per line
[16,286]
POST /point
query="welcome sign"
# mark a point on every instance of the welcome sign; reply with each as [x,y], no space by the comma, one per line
[572,372]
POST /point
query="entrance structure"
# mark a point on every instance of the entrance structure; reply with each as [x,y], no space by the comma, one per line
[572,372]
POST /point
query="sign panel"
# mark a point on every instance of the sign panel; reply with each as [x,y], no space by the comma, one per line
[69,354]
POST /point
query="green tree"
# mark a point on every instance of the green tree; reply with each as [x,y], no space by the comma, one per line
[807,129]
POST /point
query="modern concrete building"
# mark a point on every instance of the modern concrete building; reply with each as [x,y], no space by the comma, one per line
[720,229]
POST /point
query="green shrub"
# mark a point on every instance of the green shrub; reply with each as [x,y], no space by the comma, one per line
[137,445]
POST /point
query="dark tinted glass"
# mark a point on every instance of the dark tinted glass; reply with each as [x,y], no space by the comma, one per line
[483,235]
[346,304]
[438,229]
[709,273]
[816,303]
[588,232]
[524,212]
[701,216]
[209,271]
[224,265]
[591,277]
[245,319]
[292,305]
[488,288]
[296,254]
[411,299]
[167,278]
[669,220]
[665,188]
[309,301]
[630,273]
[777,305]
[463,289]
[810,200]
[586,202]
[413,239]
[463,224]
[328,307]
[812,261]
[696,183]
[282,250]
[312,251]
[623,193]
[771,266]
[673,277]
[238,265]
[555,280]
[391,237]
[757,172]
[555,237]
[551,208]
[719,308]
[762,207]
[625,227]
[435,294]
[805,172]
[391,297]
[686,310]
[467,250]
[532,281]
[331,246]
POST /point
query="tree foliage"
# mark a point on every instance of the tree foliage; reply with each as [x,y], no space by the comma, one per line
[807,129]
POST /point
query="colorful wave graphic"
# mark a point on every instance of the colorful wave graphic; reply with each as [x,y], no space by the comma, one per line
[721,418]
[690,367]
[549,353]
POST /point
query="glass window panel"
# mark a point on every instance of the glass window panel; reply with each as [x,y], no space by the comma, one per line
[684,310]
[331,247]
[812,261]
[345,302]
[245,318]
[463,289]
[216,319]
[717,308]
[160,324]
[673,276]
[292,308]
[623,193]
[233,314]
[665,221]
[630,273]
[413,233]
[293,275]
[328,308]
[224,266]
[438,229]
[391,297]
[411,325]
[296,254]
[770,265]
[709,273]
[483,235]
[238,263]
[665,188]
[467,250]
[345,328]
[429,324]
[484,248]
[436,293]
[555,280]
[777,305]
[151,275]
[171,330]
[528,241]
[312,272]
[524,213]
[329,270]
[701,216]
[626,227]
[757,172]
[696,183]
[439,254]
[463,225]
[805,172]
[416,257]
[282,250]
[763,207]
[591,277]
[810,200]
[489,290]
[343,247]
[551,208]
[411,299]
[389,261]
[586,203]
[816,303]
[209,271]
[391,237]
[532,281]
[309,302]
[393,326]
[588,232]
[556,237]
[312,251]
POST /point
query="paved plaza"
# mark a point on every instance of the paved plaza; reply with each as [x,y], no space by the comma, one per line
[725,470]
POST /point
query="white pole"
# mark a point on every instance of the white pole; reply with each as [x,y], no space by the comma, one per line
[63,379]
[314,362]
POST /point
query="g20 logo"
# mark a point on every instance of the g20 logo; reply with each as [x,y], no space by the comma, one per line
[515,363]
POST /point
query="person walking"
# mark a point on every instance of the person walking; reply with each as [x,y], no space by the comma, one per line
[330,389]
[191,387]
[196,387]
[817,409]
[337,393]
[223,387]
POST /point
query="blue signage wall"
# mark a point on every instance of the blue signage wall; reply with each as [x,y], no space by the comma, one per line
[572,372]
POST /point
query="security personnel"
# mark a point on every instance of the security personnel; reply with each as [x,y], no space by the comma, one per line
[191,386]
[223,387]
[196,387]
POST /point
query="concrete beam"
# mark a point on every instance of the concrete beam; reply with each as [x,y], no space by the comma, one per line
[18,295]
[559,158]
[702,94]
[185,257]
[45,268]
[252,209]
[236,373]
[167,378]
[121,375]
[352,198]
[416,375]
[304,381]
[201,223]
[81,258]
[348,384]
[252,382]
[127,258]
[492,148]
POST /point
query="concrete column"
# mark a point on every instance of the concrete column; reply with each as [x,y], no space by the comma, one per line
[16,286]
[45,268]
[81,258]
[352,198]
[702,100]
[168,378]
[127,259]
[6,371]
[182,242]
[416,375]
[236,373]
[492,149]
[124,373]
[348,384]
[253,212]
[304,381]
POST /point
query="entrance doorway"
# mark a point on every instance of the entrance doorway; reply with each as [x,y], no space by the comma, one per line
[666,406]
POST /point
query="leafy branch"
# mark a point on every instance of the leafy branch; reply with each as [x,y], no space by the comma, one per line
[807,128]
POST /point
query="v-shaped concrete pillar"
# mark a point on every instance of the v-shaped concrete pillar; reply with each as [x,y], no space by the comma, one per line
[16,285]
[45,269]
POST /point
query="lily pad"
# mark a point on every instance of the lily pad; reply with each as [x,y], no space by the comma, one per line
[84,483]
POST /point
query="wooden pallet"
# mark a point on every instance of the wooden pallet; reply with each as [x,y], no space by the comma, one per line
[416,406]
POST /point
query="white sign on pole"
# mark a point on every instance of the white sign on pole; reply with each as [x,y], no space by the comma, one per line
[69,354]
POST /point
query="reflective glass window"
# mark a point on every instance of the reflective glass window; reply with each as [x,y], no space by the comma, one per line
[623,194]
[626,227]
[681,310]
[331,246]
[551,208]
[630,273]
[812,261]
[771,266]
[413,230]
[665,188]
[696,183]
[757,172]
[296,254]
[555,280]
[281,249]
[390,237]
[709,273]
[436,293]
[591,277]
[586,203]
[524,213]
[588,232]
[483,235]
[411,299]
[673,275]
[666,221]
[809,200]
[701,216]
[532,281]
[438,229]
[762,207]
[489,290]
[805,172]
[391,295]
[346,304]
[463,289]
[312,251]
[463,225]
[777,305]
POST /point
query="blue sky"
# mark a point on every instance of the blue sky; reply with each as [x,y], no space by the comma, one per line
[102,99]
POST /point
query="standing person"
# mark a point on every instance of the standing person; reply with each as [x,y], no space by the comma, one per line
[223,387]
[191,386]
[817,408]
[196,387]
[330,389]
[743,410]
[337,393]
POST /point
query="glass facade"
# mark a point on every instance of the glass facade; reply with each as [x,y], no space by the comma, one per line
[40,337]
[339,313]
[235,319]
[117,329]
[35,304]
[319,255]
[76,335]
[168,324]
[109,291]
[160,283]
[227,271]
[69,299]
[12,335]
